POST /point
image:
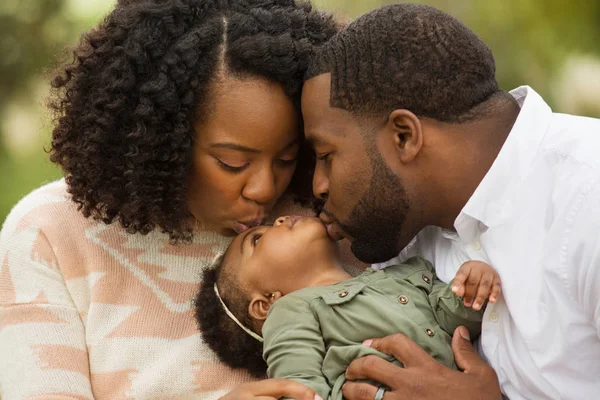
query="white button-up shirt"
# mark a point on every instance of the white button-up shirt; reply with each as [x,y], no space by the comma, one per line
[535,218]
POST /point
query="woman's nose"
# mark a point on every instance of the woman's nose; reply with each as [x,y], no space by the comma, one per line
[261,187]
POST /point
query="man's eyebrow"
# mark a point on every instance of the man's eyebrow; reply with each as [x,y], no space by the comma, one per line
[248,232]
[315,140]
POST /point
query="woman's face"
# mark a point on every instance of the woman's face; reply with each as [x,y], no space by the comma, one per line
[244,154]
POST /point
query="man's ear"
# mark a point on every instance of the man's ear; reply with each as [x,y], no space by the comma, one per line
[260,304]
[407,134]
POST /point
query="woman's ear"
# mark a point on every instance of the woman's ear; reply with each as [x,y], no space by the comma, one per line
[260,305]
[407,132]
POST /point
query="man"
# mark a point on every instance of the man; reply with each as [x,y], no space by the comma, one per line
[418,150]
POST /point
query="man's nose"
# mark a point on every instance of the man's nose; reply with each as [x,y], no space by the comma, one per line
[320,184]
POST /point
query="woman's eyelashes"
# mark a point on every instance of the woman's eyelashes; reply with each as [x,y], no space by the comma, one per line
[287,162]
[231,168]
[237,169]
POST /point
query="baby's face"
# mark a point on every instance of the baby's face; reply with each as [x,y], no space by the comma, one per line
[275,257]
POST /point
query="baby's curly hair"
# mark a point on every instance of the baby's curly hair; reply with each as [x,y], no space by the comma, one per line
[232,345]
[125,106]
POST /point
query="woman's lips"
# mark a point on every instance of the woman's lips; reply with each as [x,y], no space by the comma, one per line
[243,226]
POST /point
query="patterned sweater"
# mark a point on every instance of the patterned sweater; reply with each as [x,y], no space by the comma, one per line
[88,311]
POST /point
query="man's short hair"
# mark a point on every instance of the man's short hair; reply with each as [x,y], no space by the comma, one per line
[408,56]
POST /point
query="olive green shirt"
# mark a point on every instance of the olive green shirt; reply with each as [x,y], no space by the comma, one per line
[312,335]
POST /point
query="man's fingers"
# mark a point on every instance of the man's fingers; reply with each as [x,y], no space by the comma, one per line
[402,348]
[465,355]
[359,391]
[375,368]
[458,283]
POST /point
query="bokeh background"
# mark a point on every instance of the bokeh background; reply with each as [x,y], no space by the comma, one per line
[551,45]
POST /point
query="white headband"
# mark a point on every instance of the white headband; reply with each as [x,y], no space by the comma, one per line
[230,314]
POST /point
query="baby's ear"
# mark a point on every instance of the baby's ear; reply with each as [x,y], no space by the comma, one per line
[260,304]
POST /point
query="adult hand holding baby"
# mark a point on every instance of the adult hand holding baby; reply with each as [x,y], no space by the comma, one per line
[271,389]
[422,377]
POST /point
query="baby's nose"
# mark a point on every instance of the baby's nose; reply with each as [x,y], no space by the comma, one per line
[281,220]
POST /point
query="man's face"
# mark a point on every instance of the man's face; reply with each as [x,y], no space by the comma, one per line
[364,200]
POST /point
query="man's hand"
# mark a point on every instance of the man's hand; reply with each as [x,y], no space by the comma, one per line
[476,281]
[271,389]
[422,377]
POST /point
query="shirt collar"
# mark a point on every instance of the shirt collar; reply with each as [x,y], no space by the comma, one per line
[489,203]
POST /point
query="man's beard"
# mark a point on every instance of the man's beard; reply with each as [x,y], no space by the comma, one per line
[376,221]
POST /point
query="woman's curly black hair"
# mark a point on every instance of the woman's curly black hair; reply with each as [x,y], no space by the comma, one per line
[125,106]
[232,345]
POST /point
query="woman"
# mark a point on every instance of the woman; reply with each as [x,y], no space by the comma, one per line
[177,125]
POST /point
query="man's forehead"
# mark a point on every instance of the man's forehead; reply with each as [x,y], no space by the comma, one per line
[321,120]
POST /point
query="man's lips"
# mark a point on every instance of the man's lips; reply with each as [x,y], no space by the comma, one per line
[333,229]
[334,232]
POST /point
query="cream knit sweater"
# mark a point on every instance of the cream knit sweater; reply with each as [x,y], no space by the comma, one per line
[88,311]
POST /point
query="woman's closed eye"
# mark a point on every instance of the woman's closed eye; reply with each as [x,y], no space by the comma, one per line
[231,168]
[286,162]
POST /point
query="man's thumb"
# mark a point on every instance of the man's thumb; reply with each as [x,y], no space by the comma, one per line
[465,355]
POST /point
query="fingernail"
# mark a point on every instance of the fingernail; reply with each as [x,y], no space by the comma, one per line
[455,289]
[492,299]
[317,397]
[464,333]
[368,342]
[476,306]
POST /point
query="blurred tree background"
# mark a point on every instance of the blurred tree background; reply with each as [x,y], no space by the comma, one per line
[551,45]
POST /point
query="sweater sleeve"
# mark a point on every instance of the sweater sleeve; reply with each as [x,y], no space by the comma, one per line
[293,345]
[42,336]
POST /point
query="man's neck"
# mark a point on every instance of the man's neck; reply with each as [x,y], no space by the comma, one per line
[484,140]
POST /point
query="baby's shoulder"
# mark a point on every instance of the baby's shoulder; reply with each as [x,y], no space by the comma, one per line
[410,267]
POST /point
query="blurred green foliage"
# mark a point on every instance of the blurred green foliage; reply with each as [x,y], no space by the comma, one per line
[550,45]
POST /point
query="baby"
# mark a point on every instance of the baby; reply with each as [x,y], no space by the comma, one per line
[280,295]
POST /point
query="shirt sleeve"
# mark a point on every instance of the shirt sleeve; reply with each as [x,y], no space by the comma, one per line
[42,337]
[583,255]
[293,345]
[451,312]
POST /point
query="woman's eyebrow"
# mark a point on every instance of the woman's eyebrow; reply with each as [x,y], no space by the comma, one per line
[234,146]
[292,144]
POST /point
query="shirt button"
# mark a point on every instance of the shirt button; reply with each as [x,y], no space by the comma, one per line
[476,245]
[402,299]
[429,332]
[426,279]
[344,294]
[494,317]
